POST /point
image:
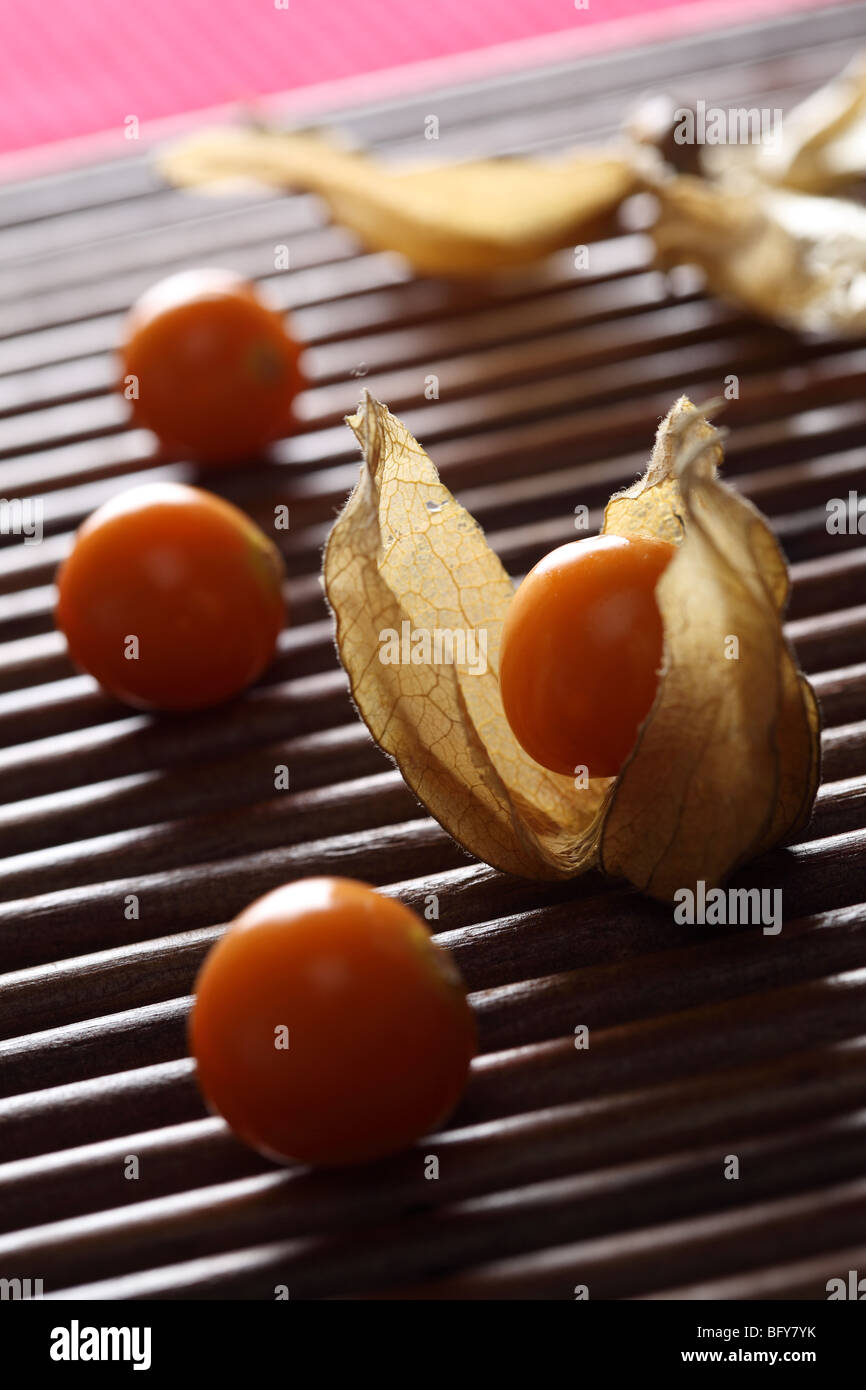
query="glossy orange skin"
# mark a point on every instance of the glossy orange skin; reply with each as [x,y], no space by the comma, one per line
[379,1027]
[191,577]
[217,371]
[581,650]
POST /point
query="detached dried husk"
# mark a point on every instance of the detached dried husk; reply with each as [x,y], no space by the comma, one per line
[741,212]
[821,147]
[460,219]
[725,765]
[790,257]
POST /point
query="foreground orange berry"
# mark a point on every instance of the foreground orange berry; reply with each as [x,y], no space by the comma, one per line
[328,1026]
[209,366]
[171,597]
[581,652]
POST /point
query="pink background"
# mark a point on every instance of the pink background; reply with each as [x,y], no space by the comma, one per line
[72,67]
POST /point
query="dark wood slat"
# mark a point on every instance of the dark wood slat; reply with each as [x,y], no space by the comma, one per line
[343,753]
[802,1279]
[613,1265]
[282,819]
[522,1011]
[595,299]
[262,1208]
[640,1263]
[582,1136]
[753,1028]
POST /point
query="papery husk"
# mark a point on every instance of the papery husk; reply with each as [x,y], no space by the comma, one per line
[790,257]
[821,146]
[404,550]
[726,762]
[460,219]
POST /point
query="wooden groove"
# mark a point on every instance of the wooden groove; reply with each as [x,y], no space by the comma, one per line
[343,753]
[612,1261]
[137,1037]
[524,1010]
[77,701]
[534,1009]
[261,1208]
[137,743]
[73,921]
[76,920]
[621,1058]
[559,441]
[274,820]
[755,1027]
[337,267]
[595,300]
[636,1264]
[239,226]
[700,369]
[801,1279]
[740,1102]
[588,351]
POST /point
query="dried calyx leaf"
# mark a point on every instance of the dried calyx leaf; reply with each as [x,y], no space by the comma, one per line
[445,219]
[797,259]
[405,552]
[790,257]
[726,763]
[821,147]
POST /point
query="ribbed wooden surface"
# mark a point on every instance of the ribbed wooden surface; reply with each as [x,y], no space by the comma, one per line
[602,1167]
